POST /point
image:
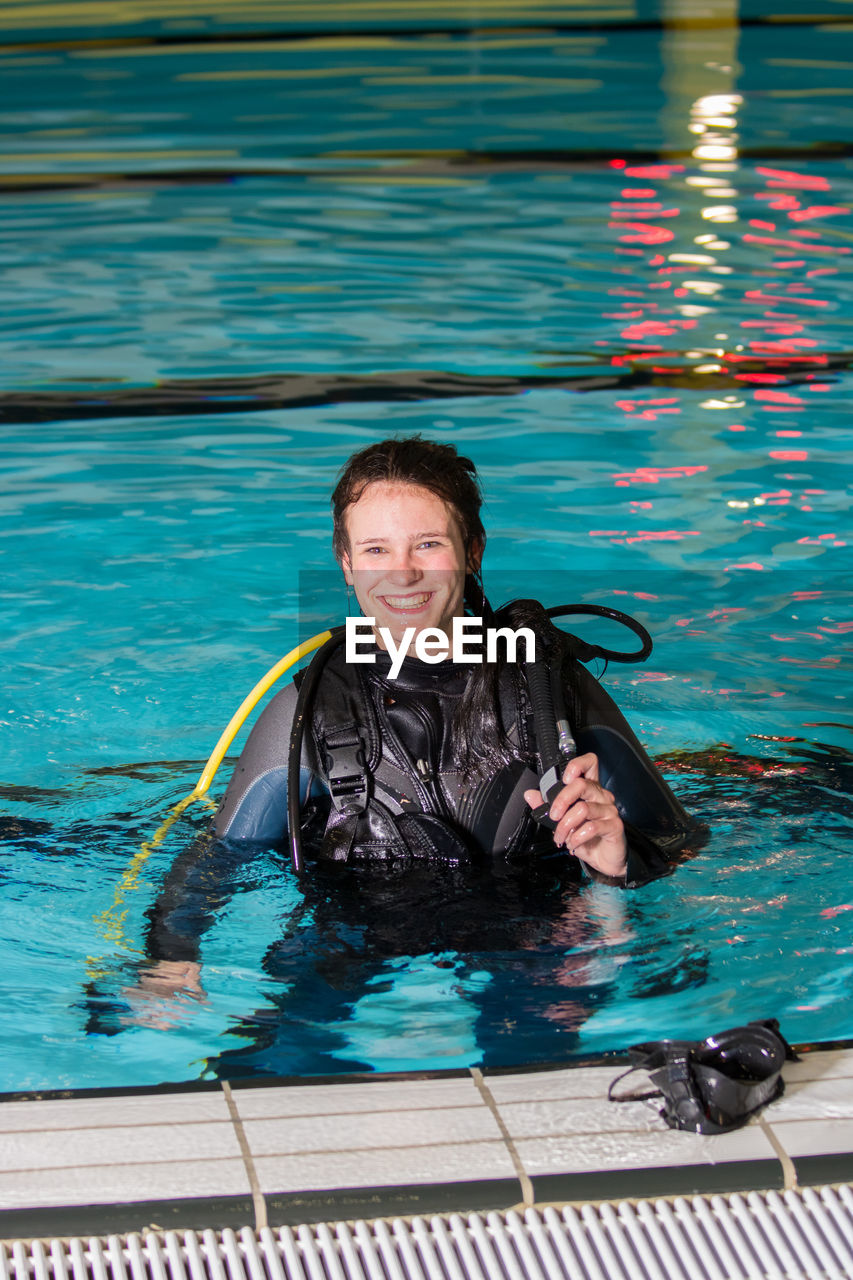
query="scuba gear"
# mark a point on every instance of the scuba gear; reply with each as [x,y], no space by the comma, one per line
[307,689]
[585,651]
[712,1085]
[386,753]
[389,797]
[554,738]
[553,735]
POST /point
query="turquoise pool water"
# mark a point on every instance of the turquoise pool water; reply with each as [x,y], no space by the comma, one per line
[646,236]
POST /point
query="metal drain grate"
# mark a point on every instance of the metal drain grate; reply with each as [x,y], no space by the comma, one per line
[801,1235]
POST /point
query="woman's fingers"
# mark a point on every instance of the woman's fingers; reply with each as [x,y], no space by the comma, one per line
[587,821]
[579,788]
[582,766]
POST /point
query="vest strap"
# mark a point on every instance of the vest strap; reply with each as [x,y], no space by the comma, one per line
[345,766]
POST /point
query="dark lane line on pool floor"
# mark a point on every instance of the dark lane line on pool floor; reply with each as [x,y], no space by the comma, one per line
[386,165]
[197,396]
[416,30]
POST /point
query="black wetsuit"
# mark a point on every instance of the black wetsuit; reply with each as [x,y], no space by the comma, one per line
[511,909]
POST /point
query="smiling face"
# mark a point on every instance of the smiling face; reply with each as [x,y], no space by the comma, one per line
[406,558]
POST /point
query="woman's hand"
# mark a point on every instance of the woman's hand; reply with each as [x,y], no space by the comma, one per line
[588,823]
[160,997]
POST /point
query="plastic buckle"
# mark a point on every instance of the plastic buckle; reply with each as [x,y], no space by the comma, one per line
[347,776]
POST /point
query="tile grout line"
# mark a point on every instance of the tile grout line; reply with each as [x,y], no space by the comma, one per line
[258,1201]
[527,1196]
[789,1171]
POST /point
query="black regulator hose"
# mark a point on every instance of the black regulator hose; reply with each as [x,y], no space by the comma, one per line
[554,740]
[615,615]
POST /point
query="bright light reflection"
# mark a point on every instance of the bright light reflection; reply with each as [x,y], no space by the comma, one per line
[713,118]
[703,286]
[720,213]
[717,104]
[714,151]
[728,402]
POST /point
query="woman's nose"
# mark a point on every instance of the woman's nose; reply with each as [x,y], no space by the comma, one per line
[403,568]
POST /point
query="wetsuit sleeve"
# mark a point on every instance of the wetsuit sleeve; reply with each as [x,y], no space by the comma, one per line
[252,815]
[656,823]
[198,884]
[255,804]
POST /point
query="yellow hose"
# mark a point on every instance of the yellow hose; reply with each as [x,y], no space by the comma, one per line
[246,706]
[110,922]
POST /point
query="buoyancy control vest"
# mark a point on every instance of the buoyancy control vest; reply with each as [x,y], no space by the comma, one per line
[388,758]
[387,753]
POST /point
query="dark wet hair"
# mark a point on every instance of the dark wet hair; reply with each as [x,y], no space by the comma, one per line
[412,460]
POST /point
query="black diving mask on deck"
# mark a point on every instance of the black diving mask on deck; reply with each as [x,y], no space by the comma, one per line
[712,1085]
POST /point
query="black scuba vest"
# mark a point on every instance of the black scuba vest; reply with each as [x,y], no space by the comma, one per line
[385,748]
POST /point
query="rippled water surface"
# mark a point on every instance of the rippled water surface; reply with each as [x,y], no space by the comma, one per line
[612,262]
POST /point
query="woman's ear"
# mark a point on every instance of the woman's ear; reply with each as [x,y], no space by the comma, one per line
[475,556]
[346,569]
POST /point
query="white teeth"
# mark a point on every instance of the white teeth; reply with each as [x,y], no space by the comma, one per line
[405,602]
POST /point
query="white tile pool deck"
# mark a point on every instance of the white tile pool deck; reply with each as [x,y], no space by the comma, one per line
[217,1155]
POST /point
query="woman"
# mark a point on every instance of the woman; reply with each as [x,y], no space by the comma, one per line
[438,758]
[432,776]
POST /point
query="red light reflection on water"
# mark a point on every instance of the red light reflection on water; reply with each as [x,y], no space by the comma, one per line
[794,244]
[644,233]
[657,328]
[648,209]
[789,178]
[779,399]
[779,306]
[829,539]
[637,595]
[645,535]
[755,295]
[653,170]
[816,211]
[840,630]
[651,475]
[649,409]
